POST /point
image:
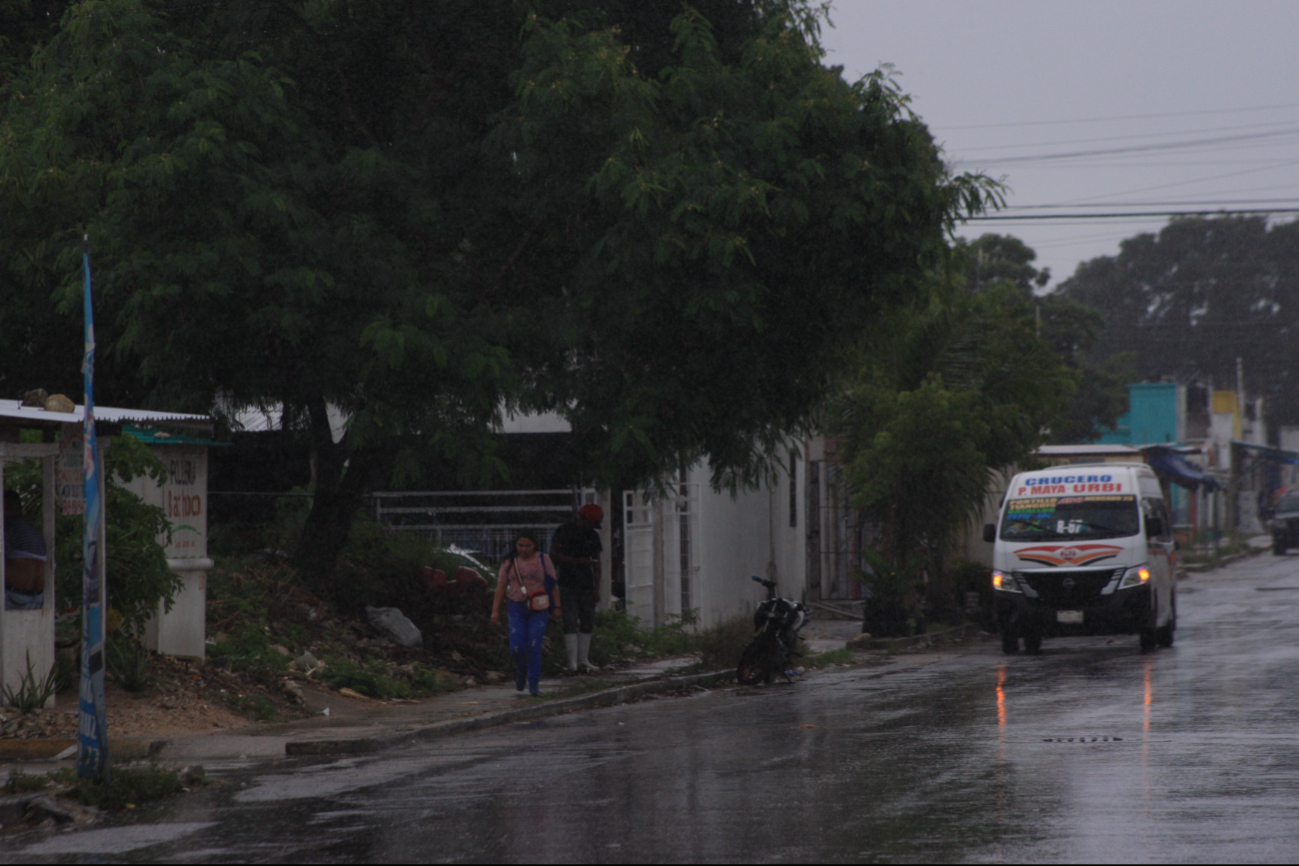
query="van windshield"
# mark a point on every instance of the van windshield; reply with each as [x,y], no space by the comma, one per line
[1071,517]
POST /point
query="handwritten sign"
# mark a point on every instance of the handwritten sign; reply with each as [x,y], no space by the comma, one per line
[70,471]
[183,497]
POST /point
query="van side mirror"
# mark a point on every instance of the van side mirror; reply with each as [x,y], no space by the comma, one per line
[1154,527]
[989,532]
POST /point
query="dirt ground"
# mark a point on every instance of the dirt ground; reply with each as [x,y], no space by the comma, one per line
[184,698]
[129,715]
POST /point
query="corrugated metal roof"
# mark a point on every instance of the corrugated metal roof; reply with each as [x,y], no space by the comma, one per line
[110,414]
[1087,450]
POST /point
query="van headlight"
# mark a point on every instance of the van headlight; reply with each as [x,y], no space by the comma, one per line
[1004,582]
[1135,576]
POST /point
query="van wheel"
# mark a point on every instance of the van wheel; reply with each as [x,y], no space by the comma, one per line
[1278,549]
[1033,644]
[1149,641]
[1164,634]
[1009,641]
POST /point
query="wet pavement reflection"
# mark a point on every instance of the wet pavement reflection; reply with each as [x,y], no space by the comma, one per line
[1089,752]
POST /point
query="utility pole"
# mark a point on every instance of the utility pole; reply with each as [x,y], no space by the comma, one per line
[1240,394]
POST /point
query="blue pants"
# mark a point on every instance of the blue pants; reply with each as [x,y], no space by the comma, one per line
[527,628]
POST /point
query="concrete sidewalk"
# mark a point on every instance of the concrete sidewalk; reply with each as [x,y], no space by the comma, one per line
[358,725]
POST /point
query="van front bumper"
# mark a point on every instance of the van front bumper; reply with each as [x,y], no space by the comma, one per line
[1124,611]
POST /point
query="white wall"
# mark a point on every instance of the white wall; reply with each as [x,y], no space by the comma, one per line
[27,636]
[1289,438]
[733,538]
[183,498]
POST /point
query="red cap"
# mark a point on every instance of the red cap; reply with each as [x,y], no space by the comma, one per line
[591,513]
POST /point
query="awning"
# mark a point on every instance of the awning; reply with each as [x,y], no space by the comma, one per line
[1268,454]
[1172,466]
[159,437]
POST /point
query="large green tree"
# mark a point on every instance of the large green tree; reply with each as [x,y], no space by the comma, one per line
[421,214]
[725,228]
[1201,293]
[1070,327]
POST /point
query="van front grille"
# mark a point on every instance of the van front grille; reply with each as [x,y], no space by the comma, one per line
[1069,590]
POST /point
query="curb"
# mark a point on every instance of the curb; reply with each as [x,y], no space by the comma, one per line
[48,750]
[595,700]
[961,632]
[1201,568]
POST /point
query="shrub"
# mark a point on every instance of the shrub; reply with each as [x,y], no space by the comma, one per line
[239,605]
[833,657]
[128,661]
[31,693]
[250,650]
[721,645]
[969,575]
[129,786]
[23,783]
[257,707]
[347,674]
[67,669]
[377,679]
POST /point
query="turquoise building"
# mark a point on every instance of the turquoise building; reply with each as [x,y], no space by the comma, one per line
[1156,416]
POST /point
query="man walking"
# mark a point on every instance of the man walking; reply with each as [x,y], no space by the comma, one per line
[575,547]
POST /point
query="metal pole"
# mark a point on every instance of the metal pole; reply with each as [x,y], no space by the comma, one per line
[92,733]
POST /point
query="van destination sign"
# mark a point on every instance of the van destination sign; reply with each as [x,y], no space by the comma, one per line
[1057,484]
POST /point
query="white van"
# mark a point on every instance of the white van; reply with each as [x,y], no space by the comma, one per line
[1084,549]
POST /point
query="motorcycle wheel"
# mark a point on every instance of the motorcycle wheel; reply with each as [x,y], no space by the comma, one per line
[755,663]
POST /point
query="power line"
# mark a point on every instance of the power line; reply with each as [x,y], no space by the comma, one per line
[1126,117]
[1280,164]
[1146,148]
[1290,200]
[1237,128]
[1140,215]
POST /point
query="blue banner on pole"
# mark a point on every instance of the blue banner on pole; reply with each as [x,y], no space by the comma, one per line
[92,733]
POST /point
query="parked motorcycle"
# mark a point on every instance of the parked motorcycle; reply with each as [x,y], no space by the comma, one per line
[774,647]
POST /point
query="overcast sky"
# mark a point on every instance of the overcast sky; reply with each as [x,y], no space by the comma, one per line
[1202,97]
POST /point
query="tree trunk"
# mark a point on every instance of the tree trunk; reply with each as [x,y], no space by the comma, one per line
[341,479]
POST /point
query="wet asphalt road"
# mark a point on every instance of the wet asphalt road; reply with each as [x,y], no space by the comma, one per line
[1089,752]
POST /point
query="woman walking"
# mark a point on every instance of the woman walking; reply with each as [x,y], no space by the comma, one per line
[527,576]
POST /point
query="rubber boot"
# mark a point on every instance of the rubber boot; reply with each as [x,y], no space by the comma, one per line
[570,643]
[583,649]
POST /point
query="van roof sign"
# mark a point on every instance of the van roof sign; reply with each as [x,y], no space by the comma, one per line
[1065,483]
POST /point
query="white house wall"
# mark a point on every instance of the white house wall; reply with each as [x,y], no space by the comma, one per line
[734,538]
[182,631]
